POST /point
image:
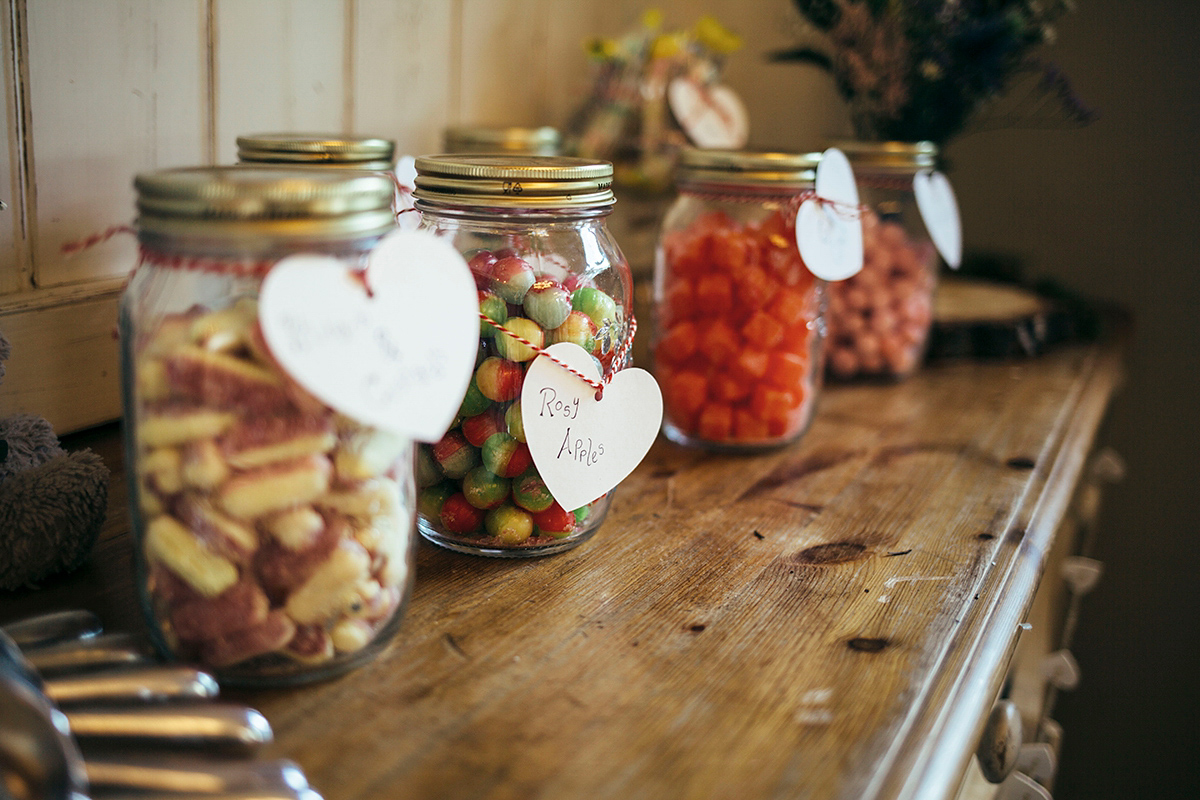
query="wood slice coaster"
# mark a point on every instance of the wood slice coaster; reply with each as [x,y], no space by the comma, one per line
[974,318]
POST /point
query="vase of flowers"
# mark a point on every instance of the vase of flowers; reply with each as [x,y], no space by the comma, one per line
[929,70]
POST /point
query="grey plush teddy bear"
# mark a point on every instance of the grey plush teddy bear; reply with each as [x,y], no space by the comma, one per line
[52,503]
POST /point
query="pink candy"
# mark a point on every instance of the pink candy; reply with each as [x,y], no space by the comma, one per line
[879,320]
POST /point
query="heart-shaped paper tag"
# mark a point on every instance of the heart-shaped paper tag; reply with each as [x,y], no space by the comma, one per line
[939,211]
[829,226]
[583,447]
[398,358]
[711,116]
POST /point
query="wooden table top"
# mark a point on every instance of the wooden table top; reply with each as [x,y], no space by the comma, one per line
[828,620]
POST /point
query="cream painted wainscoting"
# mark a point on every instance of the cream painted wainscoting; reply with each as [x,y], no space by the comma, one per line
[99,91]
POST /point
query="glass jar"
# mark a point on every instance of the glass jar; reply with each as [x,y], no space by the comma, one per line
[879,320]
[533,231]
[274,536]
[543,141]
[738,316]
[307,150]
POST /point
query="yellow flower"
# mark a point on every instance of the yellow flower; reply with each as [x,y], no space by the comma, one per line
[715,36]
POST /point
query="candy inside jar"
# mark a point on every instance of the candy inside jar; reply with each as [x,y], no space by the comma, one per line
[547,272]
[879,320]
[275,535]
[738,326]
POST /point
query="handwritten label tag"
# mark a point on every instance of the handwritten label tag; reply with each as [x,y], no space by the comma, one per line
[399,358]
[711,116]
[829,234]
[939,211]
[583,447]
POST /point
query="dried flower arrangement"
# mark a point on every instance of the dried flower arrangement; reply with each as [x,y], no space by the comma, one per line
[916,70]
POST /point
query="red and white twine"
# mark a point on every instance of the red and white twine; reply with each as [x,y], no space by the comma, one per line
[598,385]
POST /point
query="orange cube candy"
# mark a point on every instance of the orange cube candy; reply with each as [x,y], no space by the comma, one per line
[719,342]
[732,251]
[727,388]
[755,288]
[747,427]
[792,306]
[684,390]
[678,343]
[680,300]
[750,365]
[763,330]
[715,422]
[787,370]
[714,293]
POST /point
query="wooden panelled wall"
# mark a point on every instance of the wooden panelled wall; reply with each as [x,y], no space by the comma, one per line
[98,91]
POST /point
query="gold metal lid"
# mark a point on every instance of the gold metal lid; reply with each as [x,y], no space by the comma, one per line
[251,200]
[890,157]
[730,169]
[357,152]
[499,139]
[513,181]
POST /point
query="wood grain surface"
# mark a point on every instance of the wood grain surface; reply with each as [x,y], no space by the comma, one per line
[828,620]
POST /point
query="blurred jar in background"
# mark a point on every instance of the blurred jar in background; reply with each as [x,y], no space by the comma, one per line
[543,141]
[308,150]
[879,320]
[738,327]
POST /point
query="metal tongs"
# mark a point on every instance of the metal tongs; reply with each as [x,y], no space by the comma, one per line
[62,682]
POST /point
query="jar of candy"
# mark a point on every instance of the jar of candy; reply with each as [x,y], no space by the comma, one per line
[274,535]
[879,319]
[543,141]
[738,315]
[533,231]
[307,150]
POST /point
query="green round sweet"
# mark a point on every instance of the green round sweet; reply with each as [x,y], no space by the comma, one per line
[484,489]
[530,493]
[474,401]
[495,308]
[515,422]
[431,498]
[427,470]
[600,308]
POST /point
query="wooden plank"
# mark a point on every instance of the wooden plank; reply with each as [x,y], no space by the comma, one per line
[504,63]
[402,71]
[15,269]
[280,67]
[115,88]
[65,363]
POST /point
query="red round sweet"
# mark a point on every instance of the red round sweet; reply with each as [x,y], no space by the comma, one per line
[459,516]
[555,520]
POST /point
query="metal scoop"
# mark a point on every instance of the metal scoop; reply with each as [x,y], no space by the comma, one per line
[39,760]
[144,682]
[222,726]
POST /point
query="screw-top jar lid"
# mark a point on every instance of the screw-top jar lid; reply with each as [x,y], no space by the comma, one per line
[256,201]
[890,157]
[731,169]
[498,139]
[516,182]
[357,152]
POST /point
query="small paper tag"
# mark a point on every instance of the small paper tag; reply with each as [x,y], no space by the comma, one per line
[583,447]
[399,357]
[939,211]
[829,226]
[712,116]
